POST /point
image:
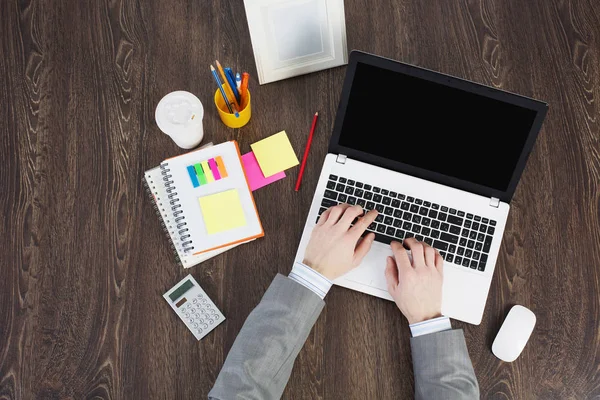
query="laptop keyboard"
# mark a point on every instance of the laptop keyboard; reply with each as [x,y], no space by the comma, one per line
[461,238]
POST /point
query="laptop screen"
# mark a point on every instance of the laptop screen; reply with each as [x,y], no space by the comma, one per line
[435,127]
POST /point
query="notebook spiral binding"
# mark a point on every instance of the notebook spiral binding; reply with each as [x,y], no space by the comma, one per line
[162,224]
[187,244]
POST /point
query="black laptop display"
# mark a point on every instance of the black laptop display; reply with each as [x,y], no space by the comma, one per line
[437,127]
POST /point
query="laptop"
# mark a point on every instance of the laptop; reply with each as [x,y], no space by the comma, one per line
[439,157]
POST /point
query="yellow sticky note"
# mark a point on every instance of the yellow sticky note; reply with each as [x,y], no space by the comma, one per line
[274,154]
[222,211]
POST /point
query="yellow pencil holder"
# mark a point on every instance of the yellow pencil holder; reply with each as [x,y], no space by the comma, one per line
[230,119]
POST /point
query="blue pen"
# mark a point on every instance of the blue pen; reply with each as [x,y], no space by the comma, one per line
[238,82]
[214,72]
[231,81]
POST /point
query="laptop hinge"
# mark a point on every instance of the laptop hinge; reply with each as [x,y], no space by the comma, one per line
[494,202]
[341,159]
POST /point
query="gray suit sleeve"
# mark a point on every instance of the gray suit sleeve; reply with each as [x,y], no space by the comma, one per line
[260,361]
[442,367]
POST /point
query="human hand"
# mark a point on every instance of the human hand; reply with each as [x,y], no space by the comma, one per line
[416,287]
[335,247]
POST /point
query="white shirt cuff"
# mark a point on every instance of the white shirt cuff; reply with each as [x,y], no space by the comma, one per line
[311,279]
[430,326]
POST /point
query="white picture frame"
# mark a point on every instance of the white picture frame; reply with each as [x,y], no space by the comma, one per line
[296,37]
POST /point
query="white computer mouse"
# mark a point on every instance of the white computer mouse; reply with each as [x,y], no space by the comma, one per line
[514,334]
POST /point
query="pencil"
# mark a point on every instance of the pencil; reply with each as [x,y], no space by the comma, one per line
[214,72]
[310,137]
[228,89]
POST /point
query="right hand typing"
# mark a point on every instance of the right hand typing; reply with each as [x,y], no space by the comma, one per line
[416,285]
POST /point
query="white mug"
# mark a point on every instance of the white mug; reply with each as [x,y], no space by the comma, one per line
[179,115]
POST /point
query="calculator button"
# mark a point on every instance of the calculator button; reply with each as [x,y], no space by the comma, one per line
[216,316]
[199,295]
[193,310]
[210,321]
[205,326]
[195,301]
[195,325]
[199,330]
[203,300]
[200,320]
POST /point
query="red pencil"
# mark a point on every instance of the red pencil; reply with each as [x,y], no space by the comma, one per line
[310,136]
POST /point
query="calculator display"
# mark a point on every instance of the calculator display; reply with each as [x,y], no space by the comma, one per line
[184,287]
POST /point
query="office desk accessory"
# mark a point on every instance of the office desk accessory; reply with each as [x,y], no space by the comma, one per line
[230,119]
[193,306]
[274,154]
[296,37]
[457,205]
[305,157]
[232,83]
[222,211]
[238,82]
[223,92]
[179,115]
[244,84]
[256,179]
[204,172]
[514,333]
[229,89]
[194,235]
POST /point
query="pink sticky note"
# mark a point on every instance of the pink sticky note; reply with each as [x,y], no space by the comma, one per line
[254,173]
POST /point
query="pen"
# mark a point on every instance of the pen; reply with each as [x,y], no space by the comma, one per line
[244,85]
[231,80]
[238,81]
[214,72]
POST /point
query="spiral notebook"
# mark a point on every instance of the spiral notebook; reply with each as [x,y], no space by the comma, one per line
[204,202]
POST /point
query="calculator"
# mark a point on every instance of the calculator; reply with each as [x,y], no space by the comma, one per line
[194,307]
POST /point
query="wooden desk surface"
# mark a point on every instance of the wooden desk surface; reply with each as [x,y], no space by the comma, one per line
[84,261]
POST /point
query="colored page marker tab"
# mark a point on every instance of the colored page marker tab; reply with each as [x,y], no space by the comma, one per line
[192,172]
[213,167]
[200,174]
[221,166]
[209,176]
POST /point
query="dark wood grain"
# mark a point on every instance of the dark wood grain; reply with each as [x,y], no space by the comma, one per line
[84,262]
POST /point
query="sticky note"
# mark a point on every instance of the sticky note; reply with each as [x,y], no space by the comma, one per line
[200,174]
[222,211]
[215,170]
[274,154]
[192,173]
[221,166]
[256,179]
[207,173]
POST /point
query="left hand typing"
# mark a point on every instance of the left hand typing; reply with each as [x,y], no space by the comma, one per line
[335,247]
